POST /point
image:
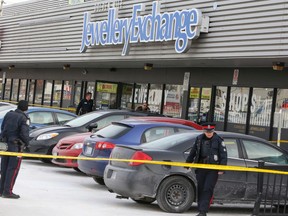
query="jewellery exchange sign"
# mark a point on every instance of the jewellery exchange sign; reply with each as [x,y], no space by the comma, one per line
[179,26]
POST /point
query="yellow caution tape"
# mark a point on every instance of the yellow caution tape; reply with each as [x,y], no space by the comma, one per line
[180,164]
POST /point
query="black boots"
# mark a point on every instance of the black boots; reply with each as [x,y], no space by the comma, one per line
[202,214]
[10,196]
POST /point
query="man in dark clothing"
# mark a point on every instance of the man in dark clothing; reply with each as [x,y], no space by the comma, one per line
[15,131]
[208,148]
[85,104]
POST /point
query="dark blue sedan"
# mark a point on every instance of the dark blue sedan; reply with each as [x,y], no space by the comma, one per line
[101,143]
[40,116]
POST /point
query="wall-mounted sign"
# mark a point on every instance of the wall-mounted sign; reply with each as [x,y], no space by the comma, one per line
[179,26]
[235,77]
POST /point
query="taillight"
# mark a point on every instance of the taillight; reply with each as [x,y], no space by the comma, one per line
[138,155]
[104,145]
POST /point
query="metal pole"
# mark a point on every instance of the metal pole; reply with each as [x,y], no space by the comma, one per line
[258,200]
[279,128]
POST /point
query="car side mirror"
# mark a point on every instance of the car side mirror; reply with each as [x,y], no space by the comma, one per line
[33,127]
[92,126]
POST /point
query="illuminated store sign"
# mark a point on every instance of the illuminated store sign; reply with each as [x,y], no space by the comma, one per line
[179,26]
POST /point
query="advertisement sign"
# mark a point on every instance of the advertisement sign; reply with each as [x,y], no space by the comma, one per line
[107,87]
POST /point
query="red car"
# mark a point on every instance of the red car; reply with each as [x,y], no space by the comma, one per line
[72,145]
[69,146]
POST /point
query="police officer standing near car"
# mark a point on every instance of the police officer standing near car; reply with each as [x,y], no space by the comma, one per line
[15,131]
[208,148]
[85,105]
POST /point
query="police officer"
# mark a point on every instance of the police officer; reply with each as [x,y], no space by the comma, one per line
[15,130]
[208,148]
[85,104]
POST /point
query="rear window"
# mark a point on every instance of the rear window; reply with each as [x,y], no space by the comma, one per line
[169,141]
[113,131]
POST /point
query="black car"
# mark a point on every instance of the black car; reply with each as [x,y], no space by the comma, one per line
[174,187]
[43,140]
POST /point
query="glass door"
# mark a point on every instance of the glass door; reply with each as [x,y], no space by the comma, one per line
[106,96]
[126,97]
[199,104]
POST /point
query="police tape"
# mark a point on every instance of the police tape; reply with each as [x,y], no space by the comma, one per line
[165,163]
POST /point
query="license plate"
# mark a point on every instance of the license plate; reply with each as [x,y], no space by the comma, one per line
[55,153]
[88,150]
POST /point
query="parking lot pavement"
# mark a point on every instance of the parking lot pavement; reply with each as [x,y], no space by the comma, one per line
[46,189]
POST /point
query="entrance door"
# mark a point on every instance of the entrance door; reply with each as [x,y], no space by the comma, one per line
[106,95]
[126,96]
[199,104]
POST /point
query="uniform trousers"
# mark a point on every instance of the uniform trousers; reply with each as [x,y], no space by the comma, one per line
[9,170]
[206,181]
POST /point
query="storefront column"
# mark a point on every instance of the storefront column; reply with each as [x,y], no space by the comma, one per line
[186,94]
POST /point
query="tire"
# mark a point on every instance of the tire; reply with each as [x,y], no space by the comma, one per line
[49,152]
[99,180]
[175,194]
[145,200]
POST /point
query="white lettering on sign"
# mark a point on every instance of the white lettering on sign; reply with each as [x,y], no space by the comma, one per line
[179,26]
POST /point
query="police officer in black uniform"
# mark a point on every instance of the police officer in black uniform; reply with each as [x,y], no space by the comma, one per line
[15,131]
[85,104]
[208,148]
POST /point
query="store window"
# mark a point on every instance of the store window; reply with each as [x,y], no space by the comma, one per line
[155,97]
[238,108]
[281,108]
[127,92]
[106,96]
[23,87]
[31,91]
[261,106]
[67,94]
[7,89]
[173,100]
[91,88]
[15,88]
[140,94]
[199,104]
[39,91]
[57,93]
[220,106]
[48,92]
[78,92]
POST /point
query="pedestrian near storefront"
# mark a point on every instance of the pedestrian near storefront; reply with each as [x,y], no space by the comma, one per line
[208,148]
[144,108]
[15,131]
[85,105]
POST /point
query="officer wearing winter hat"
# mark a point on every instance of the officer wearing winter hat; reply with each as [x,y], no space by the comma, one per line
[15,131]
[208,148]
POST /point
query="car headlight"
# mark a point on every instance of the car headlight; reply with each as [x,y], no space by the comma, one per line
[77,146]
[47,136]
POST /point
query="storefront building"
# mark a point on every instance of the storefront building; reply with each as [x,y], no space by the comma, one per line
[195,59]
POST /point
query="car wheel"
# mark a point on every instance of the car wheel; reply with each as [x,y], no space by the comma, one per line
[146,200]
[175,194]
[99,180]
[49,152]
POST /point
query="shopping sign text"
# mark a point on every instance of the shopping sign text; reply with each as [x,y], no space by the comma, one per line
[179,26]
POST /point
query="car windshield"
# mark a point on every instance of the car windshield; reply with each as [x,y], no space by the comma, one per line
[84,119]
[169,141]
